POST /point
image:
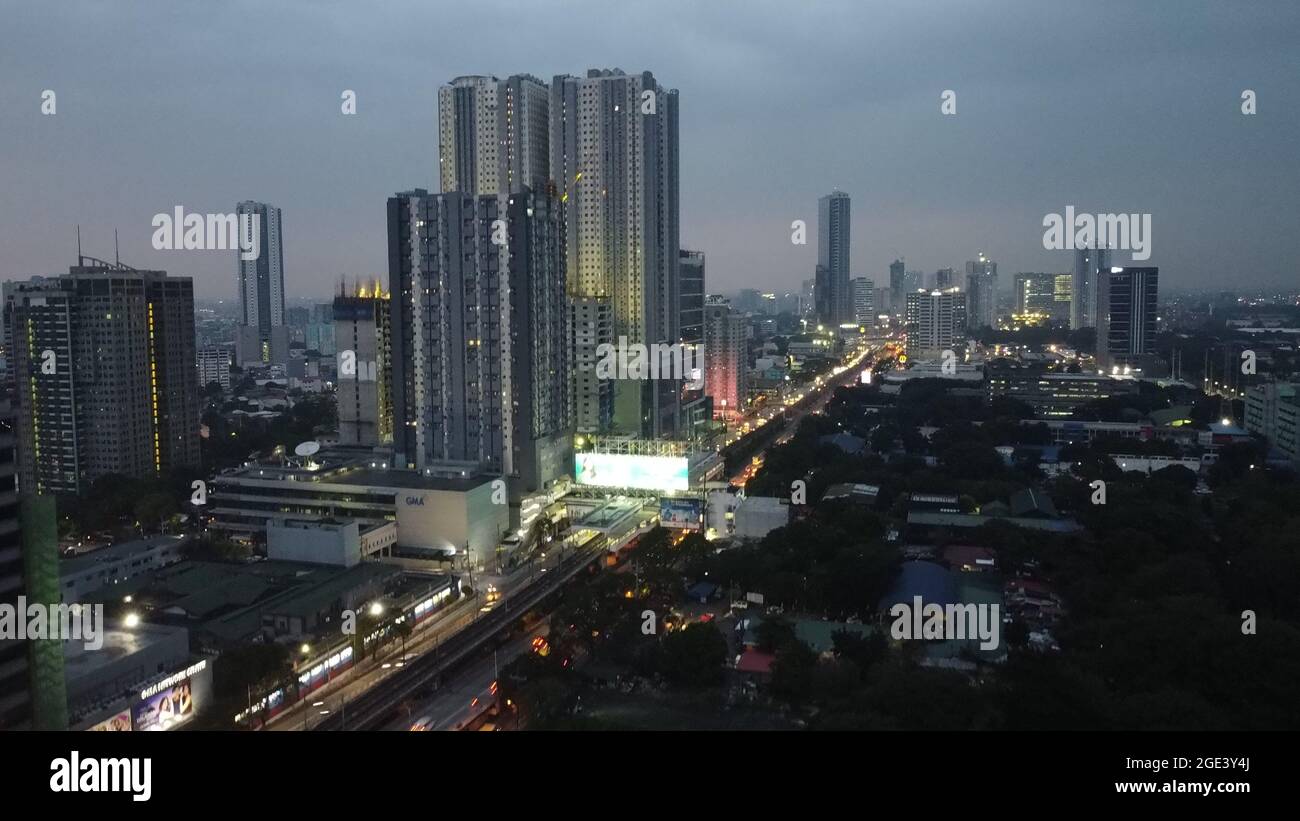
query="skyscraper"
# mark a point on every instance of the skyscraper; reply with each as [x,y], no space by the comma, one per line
[1090,264]
[943,279]
[479,330]
[834,298]
[1126,326]
[261,337]
[493,135]
[981,292]
[104,364]
[725,359]
[897,288]
[364,395]
[614,161]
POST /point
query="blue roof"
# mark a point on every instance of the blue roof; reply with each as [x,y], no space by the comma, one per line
[934,583]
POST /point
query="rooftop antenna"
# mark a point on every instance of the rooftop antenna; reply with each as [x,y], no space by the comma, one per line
[78,244]
[117,257]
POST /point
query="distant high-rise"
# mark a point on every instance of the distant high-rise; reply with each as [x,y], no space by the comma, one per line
[936,320]
[478,338]
[943,279]
[981,292]
[104,362]
[1063,297]
[364,394]
[725,359]
[614,162]
[214,366]
[1126,319]
[913,281]
[1035,294]
[1090,264]
[493,135]
[897,288]
[834,298]
[864,301]
[261,337]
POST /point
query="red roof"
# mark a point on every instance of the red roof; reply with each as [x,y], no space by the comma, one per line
[755,661]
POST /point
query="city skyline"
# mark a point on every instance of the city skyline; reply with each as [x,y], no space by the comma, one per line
[929,187]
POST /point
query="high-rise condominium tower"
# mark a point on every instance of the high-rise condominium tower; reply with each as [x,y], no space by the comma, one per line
[261,337]
[935,319]
[834,296]
[493,135]
[864,301]
[479,329]
[897,288]
[1090,265]
[104,364]
[614,163]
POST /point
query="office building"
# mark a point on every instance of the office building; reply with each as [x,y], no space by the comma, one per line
[1063,297]
[943,279]
[725,359]
[1035,294]
[261,338]
[692,271]
[936,321]
[981,292]
[1126,319]
[864,301]
[1090,264]
[364,393]
[1052,394]
[104,363]
[834,299]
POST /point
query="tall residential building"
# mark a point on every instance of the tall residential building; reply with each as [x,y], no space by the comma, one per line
[725,359]
[939,318]
[834,297]
[214,366]
[592,325]
[864,301]
[104,364]
[981,292]
[479,329]
[261,337]
[692,270]
[1126,317]
[897,288]
[364,394]
[943,279]
[614,161]
[1090,266]
[319,333]
[1035,294]
[32,687]
[493,135]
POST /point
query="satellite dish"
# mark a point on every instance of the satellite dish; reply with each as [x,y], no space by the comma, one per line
[307,448]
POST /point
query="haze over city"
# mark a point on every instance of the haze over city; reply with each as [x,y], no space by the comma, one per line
[1109,107]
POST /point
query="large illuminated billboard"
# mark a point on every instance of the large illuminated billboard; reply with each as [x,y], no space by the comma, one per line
[622,470]
[681,513]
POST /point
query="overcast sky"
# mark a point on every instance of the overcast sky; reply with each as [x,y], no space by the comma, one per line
[1107,106]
